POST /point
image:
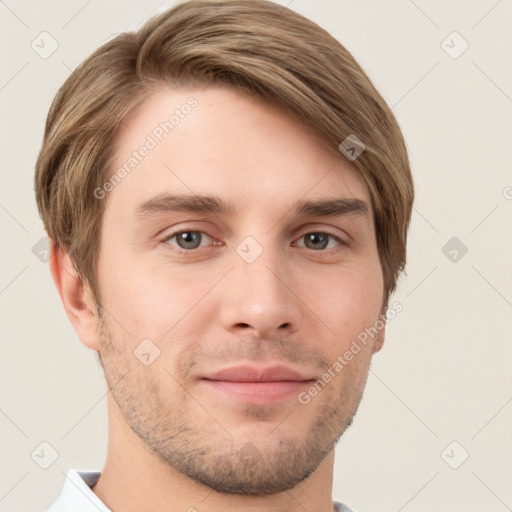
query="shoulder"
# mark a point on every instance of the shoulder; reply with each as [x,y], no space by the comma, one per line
[340,507]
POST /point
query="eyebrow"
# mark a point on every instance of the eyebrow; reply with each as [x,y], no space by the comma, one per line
[330,207]
[184,203]
[333,207]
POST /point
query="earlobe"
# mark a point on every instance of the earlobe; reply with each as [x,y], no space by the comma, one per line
[76,298]
[378,341]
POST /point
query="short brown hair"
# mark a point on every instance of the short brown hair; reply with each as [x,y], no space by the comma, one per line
[252,45]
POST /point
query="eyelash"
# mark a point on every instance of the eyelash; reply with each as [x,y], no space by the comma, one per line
[179,250]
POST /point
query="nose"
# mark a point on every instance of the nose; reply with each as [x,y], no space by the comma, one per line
[259,297]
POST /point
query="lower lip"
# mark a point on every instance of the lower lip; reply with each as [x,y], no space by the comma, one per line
[259,391]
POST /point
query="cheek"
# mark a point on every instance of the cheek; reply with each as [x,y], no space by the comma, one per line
[152,300]
[352,302]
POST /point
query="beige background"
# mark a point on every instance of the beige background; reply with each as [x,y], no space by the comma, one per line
[444,373]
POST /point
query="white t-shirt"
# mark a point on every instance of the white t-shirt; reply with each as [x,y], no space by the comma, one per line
[77,494]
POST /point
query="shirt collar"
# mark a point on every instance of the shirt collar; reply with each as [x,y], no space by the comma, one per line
[77,494]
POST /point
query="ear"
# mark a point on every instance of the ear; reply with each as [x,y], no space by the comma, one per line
[378,341]
[76,298]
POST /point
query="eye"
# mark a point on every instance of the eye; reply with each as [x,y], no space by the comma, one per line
[187,240]
[318,241]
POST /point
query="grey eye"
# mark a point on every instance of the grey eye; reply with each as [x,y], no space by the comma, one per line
[188,239]
[317,241]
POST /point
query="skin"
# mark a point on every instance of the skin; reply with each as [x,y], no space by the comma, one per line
[174,442]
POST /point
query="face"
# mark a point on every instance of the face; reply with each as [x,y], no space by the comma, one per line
[237,242]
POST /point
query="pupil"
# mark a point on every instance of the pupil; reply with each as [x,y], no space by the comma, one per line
[188,240]
[314,237]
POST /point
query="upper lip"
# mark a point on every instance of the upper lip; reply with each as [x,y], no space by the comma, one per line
[246,373]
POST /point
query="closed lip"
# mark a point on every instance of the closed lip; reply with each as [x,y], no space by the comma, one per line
[246,373]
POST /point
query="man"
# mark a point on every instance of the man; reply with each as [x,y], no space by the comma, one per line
[228,199]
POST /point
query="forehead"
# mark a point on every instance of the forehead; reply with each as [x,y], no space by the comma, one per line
[218,141]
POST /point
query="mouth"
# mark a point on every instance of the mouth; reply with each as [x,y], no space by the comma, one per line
[251,384]
[275,390]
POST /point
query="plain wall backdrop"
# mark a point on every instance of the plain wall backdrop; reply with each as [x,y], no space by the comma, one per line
[433,429]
